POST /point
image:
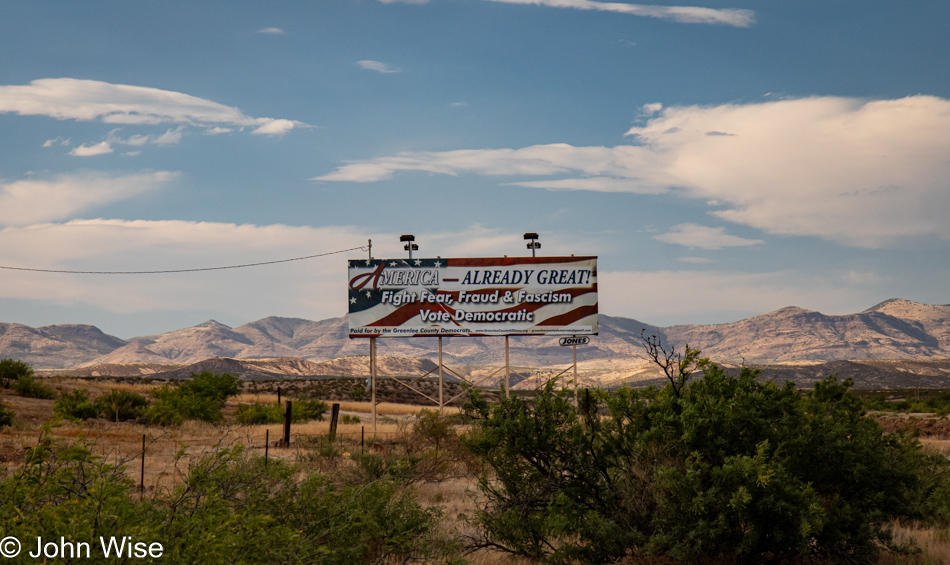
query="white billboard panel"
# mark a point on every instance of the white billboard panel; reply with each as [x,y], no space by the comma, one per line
[481,296]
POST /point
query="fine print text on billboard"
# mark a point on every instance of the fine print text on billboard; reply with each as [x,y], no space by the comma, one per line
[486,296]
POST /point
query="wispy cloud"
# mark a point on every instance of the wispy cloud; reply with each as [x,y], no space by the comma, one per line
[31,201]
[84,150]
[862,173]
[704,237]
[682,14]
[61,141]
[91,100]
[378,67]
[271,31]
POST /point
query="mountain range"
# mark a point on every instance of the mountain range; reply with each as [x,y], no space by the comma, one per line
[894,329]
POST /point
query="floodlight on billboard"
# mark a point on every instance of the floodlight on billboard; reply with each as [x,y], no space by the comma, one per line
[473,297]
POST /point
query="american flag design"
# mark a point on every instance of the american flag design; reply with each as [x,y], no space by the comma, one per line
[473,297]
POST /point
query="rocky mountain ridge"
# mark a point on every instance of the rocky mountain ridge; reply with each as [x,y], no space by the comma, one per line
[894,329]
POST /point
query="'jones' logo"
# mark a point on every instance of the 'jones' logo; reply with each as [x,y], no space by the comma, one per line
[397,278]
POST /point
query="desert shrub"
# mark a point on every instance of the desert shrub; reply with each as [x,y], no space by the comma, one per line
[210,385]
[6,416]
[75,405]
[28,386]
[257,413]
[725,467]
[200,398]
[120,405]
[350,419]
[11,371]
[300,411]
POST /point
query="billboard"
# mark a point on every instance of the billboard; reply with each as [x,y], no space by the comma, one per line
[473,297]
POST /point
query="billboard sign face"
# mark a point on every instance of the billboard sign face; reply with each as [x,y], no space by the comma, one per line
[473,297]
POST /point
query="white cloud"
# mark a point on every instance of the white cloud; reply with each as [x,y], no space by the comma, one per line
[862,173]
[704,237]
[378,67]
[275,127]
[271,31]
[537,160]
[84,150]
[65,142]
[170,137]
[313,289]
[682,14]
[597,184]
[31,201]
[91,100]
[217,131]
[672,297]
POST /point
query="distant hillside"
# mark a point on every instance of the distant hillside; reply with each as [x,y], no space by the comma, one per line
[894,329]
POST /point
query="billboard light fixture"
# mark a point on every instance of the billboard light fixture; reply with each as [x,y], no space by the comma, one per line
[534,245]
[410,246]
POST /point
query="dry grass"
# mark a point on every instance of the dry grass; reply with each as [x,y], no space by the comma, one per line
[170,449]
[933,543]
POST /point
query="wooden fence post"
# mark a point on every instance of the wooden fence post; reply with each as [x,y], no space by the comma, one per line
[288,408]
[334,417]
[266,445]
[142,476]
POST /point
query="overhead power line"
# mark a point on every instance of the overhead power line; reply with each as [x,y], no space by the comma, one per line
[362,247]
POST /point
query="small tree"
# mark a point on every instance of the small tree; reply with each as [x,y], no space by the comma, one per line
[677,367]
[120,405]
[75,404]
[200,398]
[11,371]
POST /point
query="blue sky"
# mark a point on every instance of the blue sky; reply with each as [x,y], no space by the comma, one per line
[722,158]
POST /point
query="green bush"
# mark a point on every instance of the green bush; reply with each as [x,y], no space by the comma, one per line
[6,416]
[120,405]
[209,385]
[200,398]
[300,411]
[29,387]
[230,508]
[75,405]
[11,371]
[723,467]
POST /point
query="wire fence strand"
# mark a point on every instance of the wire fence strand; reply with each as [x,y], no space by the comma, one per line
[166,271]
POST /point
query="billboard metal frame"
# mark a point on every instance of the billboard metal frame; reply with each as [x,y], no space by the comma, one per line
[570,283]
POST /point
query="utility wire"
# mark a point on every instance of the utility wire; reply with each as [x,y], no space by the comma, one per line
[363,248]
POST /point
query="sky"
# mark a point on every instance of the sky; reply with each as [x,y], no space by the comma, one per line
[722,158]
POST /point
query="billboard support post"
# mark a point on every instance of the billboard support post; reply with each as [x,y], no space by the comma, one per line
[441,404]
[507,369]
[575,374]
[372,376]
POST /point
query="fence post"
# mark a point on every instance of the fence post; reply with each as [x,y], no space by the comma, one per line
[266,445]
[334,417]
[287,411]
[142,476]
[278,396]
[362,439]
